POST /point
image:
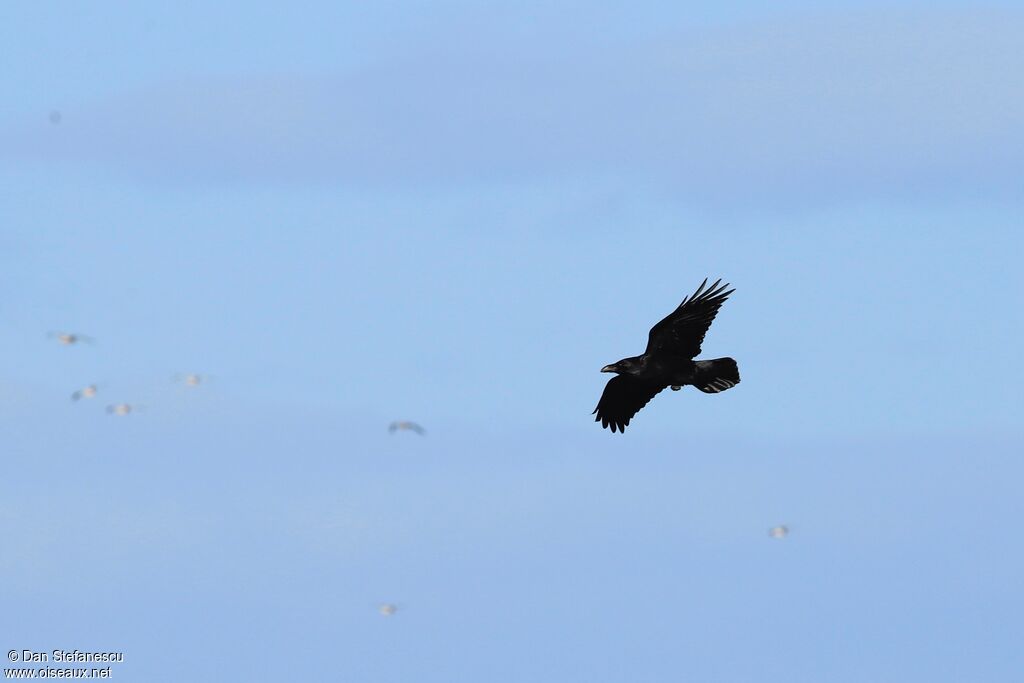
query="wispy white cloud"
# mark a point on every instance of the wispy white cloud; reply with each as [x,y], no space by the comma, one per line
[839,107]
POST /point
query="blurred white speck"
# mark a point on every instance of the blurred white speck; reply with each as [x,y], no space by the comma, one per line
[86,392]
[387,609]
[779,531]
[406,426]
[121,408]
[69,338]
[191,379]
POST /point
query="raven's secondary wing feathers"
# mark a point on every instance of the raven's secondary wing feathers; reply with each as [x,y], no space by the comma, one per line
[682,331]
[623,397]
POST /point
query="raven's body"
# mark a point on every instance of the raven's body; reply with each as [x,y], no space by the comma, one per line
[663,369]
[668,361]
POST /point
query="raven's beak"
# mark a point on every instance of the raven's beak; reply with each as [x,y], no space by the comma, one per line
[608,368]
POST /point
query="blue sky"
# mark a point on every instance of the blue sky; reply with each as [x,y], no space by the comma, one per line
[456,214]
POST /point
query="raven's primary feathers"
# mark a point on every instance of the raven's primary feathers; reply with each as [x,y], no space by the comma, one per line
[623,397]
[668,361]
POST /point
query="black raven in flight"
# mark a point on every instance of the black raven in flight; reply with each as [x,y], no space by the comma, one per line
[668,360]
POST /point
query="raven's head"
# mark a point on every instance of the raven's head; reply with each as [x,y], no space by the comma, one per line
[626,366]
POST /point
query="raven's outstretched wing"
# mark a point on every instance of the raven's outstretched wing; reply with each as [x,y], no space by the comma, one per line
[682,331]
[623,397]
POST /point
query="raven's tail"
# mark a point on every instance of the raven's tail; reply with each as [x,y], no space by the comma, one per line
[716,375]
